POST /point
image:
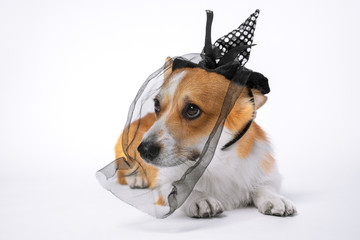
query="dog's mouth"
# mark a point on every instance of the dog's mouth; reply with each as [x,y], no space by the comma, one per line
[194,156]
[170,161]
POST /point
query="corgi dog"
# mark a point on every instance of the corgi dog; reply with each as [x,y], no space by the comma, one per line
[173,136]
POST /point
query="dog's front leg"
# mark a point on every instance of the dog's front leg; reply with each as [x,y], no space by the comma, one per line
[269,202]
[200,205]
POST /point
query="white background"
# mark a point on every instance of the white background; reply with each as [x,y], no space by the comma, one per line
[69,70]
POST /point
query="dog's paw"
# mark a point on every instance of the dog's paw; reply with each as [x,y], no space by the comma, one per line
[277,206]
[204,208]
[137,181]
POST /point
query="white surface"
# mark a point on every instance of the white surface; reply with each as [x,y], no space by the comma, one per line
[69,70]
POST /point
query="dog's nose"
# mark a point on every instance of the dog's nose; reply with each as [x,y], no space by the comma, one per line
[148,150]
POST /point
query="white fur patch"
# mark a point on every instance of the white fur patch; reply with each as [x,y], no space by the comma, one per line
[174,82]
[232,180]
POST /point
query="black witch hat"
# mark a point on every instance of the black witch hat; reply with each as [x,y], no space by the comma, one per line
[228,55]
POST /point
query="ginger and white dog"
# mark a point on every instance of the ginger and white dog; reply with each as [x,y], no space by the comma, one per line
[172,138]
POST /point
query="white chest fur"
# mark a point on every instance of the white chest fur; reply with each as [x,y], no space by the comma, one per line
[228,178]
[232,180]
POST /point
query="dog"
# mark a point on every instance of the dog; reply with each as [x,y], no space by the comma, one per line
[172,137]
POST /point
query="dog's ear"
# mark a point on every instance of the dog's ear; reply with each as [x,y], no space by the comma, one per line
[259,86]
[168,68]
[259,98]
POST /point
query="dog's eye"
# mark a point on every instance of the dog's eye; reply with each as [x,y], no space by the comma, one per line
[191,111]
[156,106]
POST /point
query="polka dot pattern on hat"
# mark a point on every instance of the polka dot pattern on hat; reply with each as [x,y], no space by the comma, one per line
[243,35]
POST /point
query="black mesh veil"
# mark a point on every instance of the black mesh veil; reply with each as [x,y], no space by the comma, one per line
[176,182]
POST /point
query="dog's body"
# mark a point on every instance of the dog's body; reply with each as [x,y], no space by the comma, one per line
[171,139]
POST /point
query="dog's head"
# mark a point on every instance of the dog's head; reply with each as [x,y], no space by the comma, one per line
[187,108]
